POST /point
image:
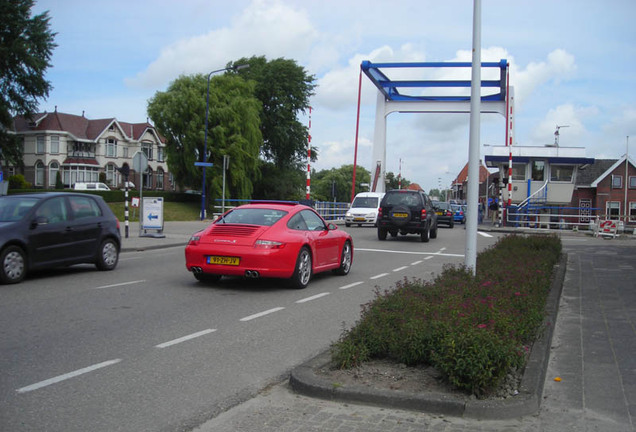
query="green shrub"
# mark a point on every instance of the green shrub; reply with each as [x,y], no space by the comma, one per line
[472,328]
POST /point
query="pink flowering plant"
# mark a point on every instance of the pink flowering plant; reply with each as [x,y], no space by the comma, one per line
[471,328]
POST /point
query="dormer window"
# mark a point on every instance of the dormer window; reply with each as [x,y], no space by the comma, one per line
[617,181]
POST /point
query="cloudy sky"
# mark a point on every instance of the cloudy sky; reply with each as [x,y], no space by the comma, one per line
[573,63]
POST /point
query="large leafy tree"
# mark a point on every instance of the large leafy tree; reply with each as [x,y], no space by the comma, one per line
[336,183]
[233,130]
[284,88]
[26,46]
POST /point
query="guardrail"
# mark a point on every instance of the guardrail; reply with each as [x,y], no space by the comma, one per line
[330,211]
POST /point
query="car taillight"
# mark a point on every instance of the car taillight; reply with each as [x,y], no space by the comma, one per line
[268,244]
[194,240]
[380,212]
[423,214]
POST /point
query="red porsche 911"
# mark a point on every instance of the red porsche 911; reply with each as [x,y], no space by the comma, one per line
[269,240]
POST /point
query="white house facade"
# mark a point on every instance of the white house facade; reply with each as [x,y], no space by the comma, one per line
[80,150]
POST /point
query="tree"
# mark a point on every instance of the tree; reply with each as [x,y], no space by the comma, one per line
[233,129]
[26,46]
[284,89]
[336,182]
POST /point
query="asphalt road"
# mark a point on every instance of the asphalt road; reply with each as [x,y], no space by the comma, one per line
[147,348]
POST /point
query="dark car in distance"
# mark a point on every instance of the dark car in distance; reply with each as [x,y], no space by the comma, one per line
[55,229]
[407,212]
[445,213]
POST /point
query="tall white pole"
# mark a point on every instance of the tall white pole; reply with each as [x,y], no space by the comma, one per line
[625,209]
[474,143]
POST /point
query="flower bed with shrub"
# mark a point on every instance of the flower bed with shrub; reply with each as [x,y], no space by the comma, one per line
[472,328]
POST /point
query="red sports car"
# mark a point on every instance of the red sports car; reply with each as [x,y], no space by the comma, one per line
[272,240]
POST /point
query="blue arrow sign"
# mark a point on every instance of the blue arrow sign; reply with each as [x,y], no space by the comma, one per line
[203,164]
[151,216]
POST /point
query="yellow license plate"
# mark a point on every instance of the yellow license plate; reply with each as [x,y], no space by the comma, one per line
[400,215]
[358,219]
[224,260]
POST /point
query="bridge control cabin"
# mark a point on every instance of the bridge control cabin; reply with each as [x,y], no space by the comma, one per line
[543,181]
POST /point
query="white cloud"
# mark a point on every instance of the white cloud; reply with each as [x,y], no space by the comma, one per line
[572,122]
[266,27]
[559,66]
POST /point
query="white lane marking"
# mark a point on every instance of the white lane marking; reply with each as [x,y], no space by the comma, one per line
[429,257]
[483,234]
[442,249]
[416,262]
[314,297]
[185,338]
[350,285]
[400,268]
[69,375]
[121,284]
[378,276]
[260,314]
[409,253]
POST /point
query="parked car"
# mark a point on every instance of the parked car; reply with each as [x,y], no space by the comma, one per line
[445,214]
[459,213]
[407,212]
[91,186]
[364,209]
[55,229]
[269,240]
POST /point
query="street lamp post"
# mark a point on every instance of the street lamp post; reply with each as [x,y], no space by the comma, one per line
[204,164]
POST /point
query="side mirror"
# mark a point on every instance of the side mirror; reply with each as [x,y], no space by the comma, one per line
[331,226]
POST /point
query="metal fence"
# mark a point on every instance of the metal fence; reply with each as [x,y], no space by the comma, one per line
[330,211]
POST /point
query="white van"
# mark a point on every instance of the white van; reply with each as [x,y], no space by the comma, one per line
[364,209]
[91,186]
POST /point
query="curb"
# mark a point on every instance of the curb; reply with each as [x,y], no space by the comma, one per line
[305,381]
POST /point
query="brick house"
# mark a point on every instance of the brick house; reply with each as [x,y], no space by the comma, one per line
[608,189]
[80,150]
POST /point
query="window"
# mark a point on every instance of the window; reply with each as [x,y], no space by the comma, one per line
[313,221]
[160,179]
[111,147]
[612,209]
[561,173]
[160,154]
[111,174]
[55,144]
[146,147]
[538,170]
[126,152]
[632,182]
[148,178]
[39,174]
[54,210]
[632,211]
[617,182]
[518,171]
[84,207]
[54,169]
[41,145]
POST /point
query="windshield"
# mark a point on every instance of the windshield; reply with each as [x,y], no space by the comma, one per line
[15,208]
[253,216]
[365,202]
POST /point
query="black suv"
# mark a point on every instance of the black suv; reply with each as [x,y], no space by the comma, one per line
[407,212]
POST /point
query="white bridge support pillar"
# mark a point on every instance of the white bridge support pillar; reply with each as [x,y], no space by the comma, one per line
[379,146]
[384,107]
